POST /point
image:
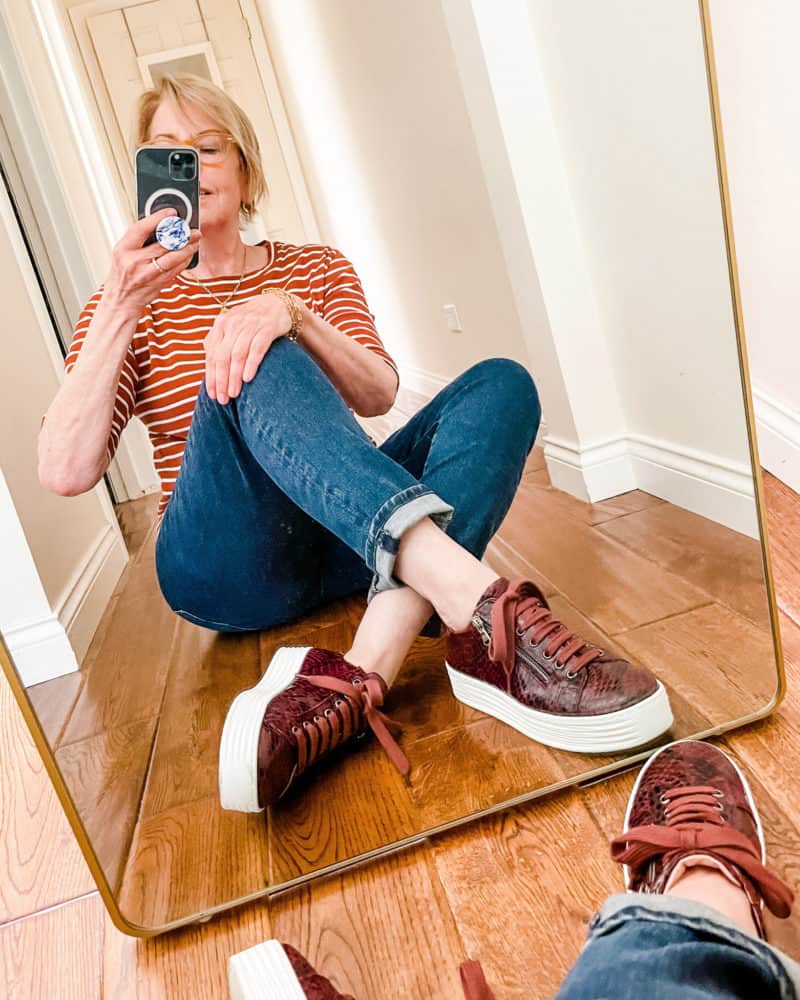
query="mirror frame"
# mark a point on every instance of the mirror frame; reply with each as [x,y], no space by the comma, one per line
[590,777]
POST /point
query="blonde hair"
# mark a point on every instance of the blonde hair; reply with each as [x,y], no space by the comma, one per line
[189,90]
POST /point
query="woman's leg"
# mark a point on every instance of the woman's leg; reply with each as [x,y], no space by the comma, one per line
[468,445]
[266,481]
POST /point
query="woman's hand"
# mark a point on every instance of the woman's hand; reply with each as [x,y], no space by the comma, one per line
[238,342]
[133,280]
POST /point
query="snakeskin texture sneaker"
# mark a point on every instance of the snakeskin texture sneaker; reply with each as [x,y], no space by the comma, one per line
[516,662]
[692,805]
[308,703]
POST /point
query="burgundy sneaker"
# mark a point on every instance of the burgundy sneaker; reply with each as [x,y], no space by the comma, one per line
[516,662]
[309,702]
[275,971]
[691,801]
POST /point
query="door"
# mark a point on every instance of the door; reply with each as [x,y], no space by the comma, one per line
[124,42]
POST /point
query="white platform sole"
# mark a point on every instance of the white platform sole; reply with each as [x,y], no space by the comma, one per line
[263,973]
[734,765]
[238,747]
[630,727]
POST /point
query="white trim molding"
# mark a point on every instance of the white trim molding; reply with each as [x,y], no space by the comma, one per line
[86,597]
[40,651]
[778,429]
[699,482]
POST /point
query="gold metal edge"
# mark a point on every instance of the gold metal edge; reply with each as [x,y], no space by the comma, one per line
[67,803]
[738,319]
[606,771]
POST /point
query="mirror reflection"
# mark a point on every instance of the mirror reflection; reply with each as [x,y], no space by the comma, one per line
[411,476]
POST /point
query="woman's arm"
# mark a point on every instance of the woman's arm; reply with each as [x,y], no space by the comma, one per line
[365,380]
[73,440]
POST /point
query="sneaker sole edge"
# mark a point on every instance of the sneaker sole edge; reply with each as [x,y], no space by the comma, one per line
[263,972]
[623,730]
[238,747]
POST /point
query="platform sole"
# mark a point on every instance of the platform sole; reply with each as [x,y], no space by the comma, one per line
[238,747]
[630,727]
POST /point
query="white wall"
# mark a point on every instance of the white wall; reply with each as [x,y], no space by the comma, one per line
[756,47]
[628,85]
[386,144]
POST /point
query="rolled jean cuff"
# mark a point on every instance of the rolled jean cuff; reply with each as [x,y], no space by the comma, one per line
[395,517]
[706,920]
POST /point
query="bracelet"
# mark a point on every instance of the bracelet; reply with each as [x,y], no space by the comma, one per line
[292,303]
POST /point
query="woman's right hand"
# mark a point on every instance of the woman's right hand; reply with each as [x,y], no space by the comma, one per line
[134,281]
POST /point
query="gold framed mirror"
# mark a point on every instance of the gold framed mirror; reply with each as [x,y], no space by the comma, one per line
[604,264]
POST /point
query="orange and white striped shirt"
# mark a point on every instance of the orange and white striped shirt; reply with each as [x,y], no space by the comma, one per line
[165,364]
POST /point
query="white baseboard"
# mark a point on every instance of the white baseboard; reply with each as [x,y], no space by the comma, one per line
[778,430]
[698,482]
[40,651]
[720,491]
[592,474]
[86,597]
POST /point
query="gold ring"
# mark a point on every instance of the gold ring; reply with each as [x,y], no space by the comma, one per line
[154,262]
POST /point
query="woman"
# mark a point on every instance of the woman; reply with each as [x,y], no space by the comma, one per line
[274,500]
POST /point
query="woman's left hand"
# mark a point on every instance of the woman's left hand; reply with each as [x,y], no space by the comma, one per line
[238,342]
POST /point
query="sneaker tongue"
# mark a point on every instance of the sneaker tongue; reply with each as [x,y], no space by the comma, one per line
[494,590]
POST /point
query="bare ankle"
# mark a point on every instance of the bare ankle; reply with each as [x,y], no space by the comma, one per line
[709,885]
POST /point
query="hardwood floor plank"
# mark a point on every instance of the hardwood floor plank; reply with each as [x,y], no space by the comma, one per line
[523,886]
[125,682]
[40,861]
[191,858]
[783,525]
[613,586]
[380,932]
[725,564]
[105,775]
[565,505]
[717,660]
[207,671]
[55,954]
[190,963]
[352,802]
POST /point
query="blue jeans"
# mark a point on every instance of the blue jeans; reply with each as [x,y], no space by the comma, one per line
[283,503]
[666,948]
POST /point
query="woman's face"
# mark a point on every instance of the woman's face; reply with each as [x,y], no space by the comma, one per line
[222,185]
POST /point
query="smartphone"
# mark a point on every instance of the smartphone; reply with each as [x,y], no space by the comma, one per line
[168,177]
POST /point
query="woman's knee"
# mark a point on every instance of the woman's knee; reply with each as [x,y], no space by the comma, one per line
[512,386]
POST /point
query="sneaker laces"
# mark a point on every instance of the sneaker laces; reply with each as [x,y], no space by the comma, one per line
[360,699]
[473,981]
[694,824]
[522,608]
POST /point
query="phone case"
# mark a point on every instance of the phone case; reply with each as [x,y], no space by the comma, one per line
[168,177]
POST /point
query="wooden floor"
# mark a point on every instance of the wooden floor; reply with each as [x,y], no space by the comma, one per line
[516,889]
[138,741]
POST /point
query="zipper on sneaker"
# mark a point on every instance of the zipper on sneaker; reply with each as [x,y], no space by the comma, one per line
[539,671]
[481,629]
[483,632]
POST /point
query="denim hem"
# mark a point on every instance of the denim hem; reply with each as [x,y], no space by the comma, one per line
[396,516]
[620,908]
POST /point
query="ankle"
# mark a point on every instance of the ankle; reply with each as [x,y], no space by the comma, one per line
[459,606]
[709,885]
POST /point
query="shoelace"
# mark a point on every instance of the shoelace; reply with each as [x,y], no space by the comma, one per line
[473,981]
[694,823]
[360,698]
[522,602]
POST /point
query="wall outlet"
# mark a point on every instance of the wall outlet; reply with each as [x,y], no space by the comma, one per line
[453,322]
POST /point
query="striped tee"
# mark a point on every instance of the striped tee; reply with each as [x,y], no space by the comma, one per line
[165,364]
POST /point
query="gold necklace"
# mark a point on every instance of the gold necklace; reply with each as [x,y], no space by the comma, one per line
[223,303]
